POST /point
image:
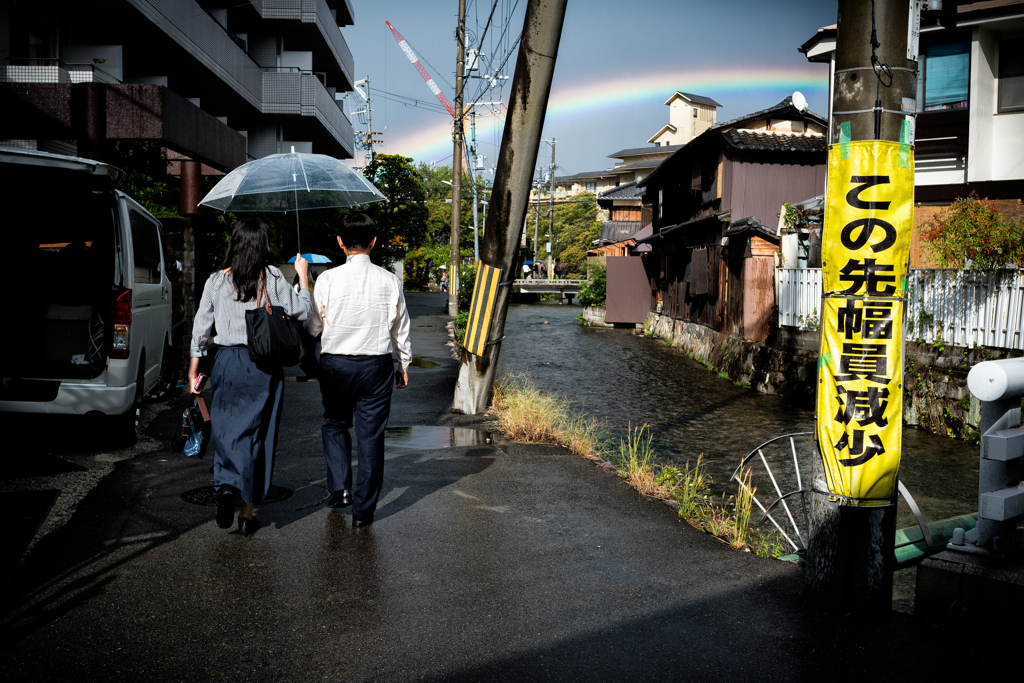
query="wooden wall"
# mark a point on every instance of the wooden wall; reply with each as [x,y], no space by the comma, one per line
[674,295]
[760,189]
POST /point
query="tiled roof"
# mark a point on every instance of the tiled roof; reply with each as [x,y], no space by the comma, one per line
[755,140]
[783,106]
[769,141]
[616,231]
[650,163]
[700,99]
[625,191]
[635,151]
[586,174]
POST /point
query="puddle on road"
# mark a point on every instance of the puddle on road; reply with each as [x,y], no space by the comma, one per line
[423,362]
[427,437]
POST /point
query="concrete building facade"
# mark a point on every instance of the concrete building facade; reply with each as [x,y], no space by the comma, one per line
[216,83]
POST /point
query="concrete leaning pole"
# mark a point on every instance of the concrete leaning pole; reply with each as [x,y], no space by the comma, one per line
[850,556]
[542,30]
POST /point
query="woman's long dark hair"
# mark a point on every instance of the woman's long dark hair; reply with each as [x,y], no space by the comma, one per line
[248,255]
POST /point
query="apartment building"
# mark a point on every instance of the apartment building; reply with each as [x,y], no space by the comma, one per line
[216,82]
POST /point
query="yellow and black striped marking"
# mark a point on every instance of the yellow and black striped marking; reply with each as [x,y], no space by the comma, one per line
[485,291]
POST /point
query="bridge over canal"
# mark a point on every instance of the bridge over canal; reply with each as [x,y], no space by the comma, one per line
[566,288]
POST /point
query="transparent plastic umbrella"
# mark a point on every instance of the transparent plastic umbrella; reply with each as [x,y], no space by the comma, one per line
[291,182]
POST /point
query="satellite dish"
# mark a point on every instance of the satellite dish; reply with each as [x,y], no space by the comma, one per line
[799,101]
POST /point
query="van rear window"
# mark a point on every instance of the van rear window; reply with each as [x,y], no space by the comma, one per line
[63,242]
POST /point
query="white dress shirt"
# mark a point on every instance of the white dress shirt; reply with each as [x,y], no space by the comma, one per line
[362,311]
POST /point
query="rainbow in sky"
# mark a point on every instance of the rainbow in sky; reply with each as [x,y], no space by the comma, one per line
[772,84]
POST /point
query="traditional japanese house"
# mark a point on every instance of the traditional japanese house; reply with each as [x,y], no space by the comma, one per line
[715,206]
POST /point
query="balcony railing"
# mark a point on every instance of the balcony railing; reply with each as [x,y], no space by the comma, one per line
[201,36]
[311,12]
[287,90]
[52,70]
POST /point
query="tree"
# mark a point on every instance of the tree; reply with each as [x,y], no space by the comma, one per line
[576,227]
[402,219]
[430,257]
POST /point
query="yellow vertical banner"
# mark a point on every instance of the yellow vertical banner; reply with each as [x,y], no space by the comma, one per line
[864,257]
[485,291]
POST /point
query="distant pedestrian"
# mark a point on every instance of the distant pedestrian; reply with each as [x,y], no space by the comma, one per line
[526,271]
[246,407]
[363,314]
[444,282]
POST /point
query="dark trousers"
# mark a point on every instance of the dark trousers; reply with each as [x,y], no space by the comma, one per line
[356,391]
[245,414]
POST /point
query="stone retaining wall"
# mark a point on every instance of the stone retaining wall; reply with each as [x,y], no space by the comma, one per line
[935,376]
[594,316]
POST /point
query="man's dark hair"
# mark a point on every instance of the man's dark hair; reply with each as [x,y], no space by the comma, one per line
[357,230]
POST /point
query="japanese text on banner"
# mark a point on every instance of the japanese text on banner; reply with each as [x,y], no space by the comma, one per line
[865,248]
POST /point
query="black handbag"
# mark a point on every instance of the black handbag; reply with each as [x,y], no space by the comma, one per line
[272,337]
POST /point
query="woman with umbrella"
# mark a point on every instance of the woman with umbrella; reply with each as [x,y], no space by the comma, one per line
[246,408]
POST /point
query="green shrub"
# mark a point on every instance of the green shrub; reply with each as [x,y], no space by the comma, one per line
[973,235]
[594,291]
[467,279]
[461,320]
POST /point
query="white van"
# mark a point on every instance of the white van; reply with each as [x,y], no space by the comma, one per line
[87,291]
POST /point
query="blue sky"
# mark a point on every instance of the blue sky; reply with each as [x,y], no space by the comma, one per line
[617,64]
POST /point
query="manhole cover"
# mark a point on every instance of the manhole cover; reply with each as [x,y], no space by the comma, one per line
[207,495]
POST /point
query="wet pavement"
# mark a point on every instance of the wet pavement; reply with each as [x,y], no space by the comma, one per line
[494,561]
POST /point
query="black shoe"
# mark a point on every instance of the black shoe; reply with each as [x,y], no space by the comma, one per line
[357,522]
[248,526]
[339,499]
[225,507]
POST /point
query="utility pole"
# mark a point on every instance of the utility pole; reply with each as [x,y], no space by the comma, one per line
[369,122]
[457,138]
[476,198]
[551,212]
[536,225]
[531,87]
[850,549]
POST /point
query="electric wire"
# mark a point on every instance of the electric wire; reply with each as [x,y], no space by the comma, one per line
[881,69]
[410,101]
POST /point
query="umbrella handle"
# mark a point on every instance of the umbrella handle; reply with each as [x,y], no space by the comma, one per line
[298,233]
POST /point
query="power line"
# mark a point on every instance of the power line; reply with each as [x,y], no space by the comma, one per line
[433,68]
[480,46]
[410,101]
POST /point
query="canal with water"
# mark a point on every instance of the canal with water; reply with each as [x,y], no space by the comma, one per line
[621,378]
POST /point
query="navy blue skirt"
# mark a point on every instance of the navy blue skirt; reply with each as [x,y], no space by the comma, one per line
[244,418]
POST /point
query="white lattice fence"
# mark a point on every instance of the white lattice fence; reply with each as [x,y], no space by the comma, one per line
[962,308]
[799,296]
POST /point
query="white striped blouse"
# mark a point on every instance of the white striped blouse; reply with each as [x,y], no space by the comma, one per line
[219,308]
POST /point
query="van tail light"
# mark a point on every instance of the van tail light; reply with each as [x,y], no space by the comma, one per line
[122,325]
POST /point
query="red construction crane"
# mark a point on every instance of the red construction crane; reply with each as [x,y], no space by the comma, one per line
[423,72]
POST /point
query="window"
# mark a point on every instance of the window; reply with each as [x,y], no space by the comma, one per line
[146,248]
[1011,75]
[592,187]
[947,74]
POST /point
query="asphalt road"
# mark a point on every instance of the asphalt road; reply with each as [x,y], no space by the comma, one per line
[486,562]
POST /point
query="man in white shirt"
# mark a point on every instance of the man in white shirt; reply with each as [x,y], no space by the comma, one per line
[363,315]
